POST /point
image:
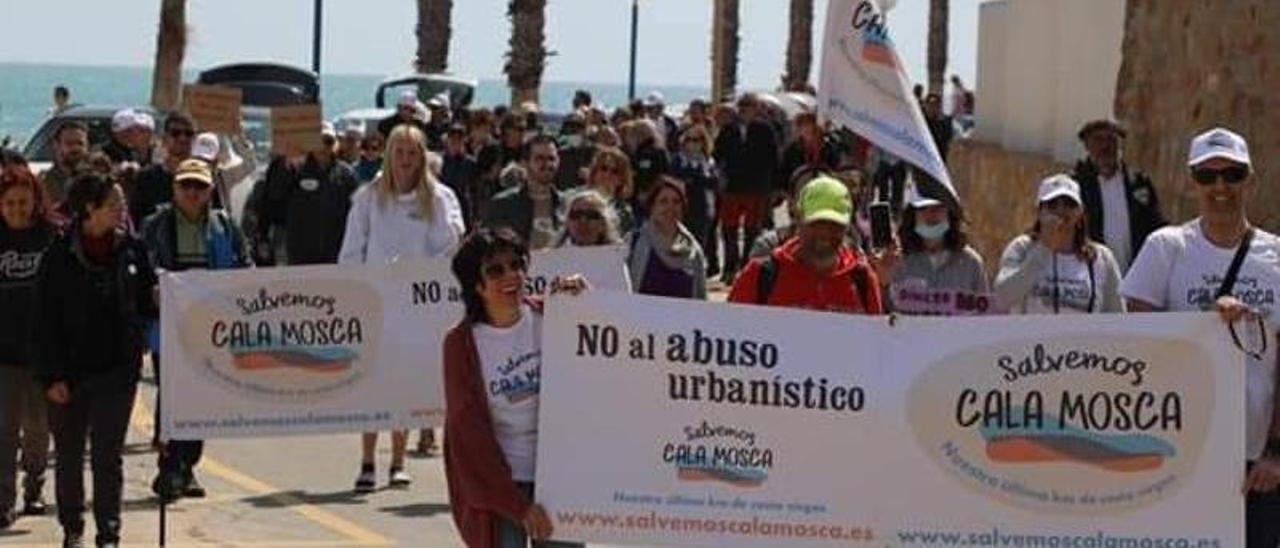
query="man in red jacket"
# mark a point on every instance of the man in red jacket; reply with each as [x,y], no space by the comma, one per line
[814,270]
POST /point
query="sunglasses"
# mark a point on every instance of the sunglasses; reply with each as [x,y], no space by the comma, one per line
[1230,175]
[585,215]
[494,271]
[192,185]
[611,169]
[1061,202]
[180,133]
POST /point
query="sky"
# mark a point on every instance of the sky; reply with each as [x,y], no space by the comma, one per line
[375,37]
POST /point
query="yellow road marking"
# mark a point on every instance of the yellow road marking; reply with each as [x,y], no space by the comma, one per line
[143,421]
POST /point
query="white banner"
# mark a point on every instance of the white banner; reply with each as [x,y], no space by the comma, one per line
[686,423]
[864,87]
[317,349]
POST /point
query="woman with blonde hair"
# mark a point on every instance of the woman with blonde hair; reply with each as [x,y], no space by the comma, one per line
[405,213]
[610,175]
[589,221]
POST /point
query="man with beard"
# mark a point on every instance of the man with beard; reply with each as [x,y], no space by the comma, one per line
[814,270]
[530,209]
[70,148]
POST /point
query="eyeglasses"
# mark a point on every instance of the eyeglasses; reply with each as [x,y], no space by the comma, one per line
[180,133]
[1230,175]
[585,215]
[494,271]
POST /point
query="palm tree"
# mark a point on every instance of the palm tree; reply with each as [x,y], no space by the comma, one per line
[724,49]
[171,47]
[939,20]
[799,46]
[433,32]
[528,56]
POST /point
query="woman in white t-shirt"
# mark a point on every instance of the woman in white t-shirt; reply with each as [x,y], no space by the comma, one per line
[405,213]
[492,378]
[1054,268]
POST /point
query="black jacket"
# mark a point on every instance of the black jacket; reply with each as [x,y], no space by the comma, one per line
[88,320]
[154,186]
[461,174]
[795,158]
[1139,192]
[311,203]
[748,158]
[20,256]
[513,208]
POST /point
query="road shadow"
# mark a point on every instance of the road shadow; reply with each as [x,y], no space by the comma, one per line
[14,531]
[420,510]
[286,499]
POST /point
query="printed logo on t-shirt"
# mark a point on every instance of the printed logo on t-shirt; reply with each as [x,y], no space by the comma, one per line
[1073,293]
[19,266]
[518,379]
[1249,290]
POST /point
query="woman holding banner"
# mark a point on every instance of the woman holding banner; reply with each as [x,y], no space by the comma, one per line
[1055,268]
[405,213]
[95,291]
[936,273]
[664,258]
[589,221]
[493,434]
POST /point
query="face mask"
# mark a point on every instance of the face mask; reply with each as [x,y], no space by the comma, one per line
[933,232]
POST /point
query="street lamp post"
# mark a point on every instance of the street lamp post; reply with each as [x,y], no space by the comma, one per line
[635,27]
[315,38]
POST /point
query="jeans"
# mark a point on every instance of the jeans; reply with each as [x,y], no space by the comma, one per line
[24,423]
[100,415]
[512,535]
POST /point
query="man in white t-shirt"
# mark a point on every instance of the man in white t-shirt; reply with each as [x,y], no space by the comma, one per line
[1185,268]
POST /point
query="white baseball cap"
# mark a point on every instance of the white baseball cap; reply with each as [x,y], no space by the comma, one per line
[326,128]
[918,200]
[1059,185]
[440,100]
[206,147]
[408,98]
[123,119]
[654,99]
[144,120]
[1218,143]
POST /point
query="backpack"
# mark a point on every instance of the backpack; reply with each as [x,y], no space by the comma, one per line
[769,276]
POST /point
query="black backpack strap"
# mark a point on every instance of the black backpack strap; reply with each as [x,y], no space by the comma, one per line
[767,278]
[1233,272]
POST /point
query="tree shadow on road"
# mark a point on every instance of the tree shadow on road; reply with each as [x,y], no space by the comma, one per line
[420,510]
[285,499]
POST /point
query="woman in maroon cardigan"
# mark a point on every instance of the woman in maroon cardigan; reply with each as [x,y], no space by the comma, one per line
[492,366]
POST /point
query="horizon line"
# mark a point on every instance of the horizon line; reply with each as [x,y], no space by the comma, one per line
[345,74]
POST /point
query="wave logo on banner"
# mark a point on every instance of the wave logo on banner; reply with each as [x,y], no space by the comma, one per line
[1090,426]
[719,453]
[277,341]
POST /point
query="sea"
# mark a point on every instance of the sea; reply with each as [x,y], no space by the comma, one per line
[26,92]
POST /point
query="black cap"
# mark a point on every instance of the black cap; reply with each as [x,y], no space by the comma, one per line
[1097,125]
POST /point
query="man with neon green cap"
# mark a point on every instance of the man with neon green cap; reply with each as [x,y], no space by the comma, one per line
[815,269]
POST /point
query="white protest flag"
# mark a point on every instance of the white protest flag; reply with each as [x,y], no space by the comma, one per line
[864,87]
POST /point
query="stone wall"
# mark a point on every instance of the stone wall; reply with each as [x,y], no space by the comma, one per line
[1190,65]
[998,190]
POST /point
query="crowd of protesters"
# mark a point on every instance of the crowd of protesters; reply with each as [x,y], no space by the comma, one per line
[732,196]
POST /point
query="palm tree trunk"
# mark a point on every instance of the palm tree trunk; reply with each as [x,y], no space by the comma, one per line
[799,46]
[724,49]
[433,32]
[528,56]
[171,47]
[939,21]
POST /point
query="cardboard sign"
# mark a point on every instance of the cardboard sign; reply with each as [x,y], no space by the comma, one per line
[296,129]
[214,108]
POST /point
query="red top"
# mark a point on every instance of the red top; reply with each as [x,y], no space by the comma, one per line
[798,286]
[479,478]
